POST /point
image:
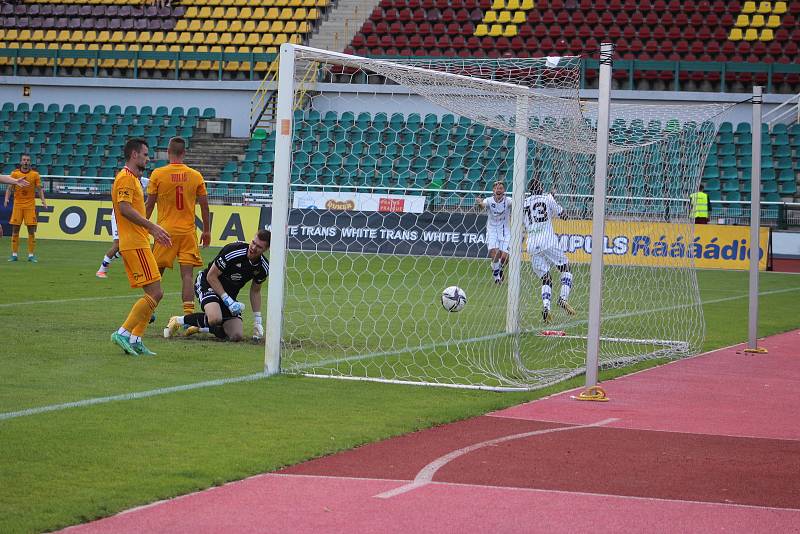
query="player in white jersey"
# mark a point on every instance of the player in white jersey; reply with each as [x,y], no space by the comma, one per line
[498,228]
[543,248]
[113,252]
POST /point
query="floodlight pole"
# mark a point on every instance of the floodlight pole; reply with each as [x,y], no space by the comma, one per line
[280,209]
[515,247]
[598,214]
[755,220]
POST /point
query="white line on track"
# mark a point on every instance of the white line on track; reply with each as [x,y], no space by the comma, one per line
[78,299]
[131,396]
[426,474]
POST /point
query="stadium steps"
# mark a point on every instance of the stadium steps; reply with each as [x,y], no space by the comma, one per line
[210,152]
[343,22]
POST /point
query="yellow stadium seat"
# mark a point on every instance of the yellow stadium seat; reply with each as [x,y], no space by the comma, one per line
[258,13]
[240,3]
[191,12]
[291,27]
[272,13]
[221,26]
[267,39]
[277,26]
[482,30]
[519,17]
[124,63]
[198,38]
[218,13]
[116,37]
[249,26]
[766,35]
[263,26]
[24,36]
[287,13]
[245,13]
[749,7]
[252,39]
[765,7]
[294,39]
[182,25]
[131,37]
[205,13]
[504,17]
[512,5]
[239,39]
[301,13]
[235,27]
[527,5]
[295,3]
[50,35]
[303,27]
[63,36]
[171,38]
[280,39]
[736,34]
[496,30]
[194,25]
[742,21]
[157,38]
[76,36]
[212,38]
[208,26]
[489,17]
[225,38]
[757,21]
[184,38]
[498,5]
[11,35]
[779,8]
[510,31]
[751,34]
[38,35]
[774,21]
[313,14]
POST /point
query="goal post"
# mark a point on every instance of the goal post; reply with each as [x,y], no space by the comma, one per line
[378,166]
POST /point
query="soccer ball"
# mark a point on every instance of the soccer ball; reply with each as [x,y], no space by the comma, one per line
[454,299]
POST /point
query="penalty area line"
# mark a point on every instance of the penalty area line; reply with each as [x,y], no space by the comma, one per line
[132,396]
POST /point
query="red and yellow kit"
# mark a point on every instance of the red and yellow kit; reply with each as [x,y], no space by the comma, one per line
[134,240]
[24,210]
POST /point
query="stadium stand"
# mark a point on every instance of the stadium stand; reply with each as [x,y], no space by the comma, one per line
[711,33]
[118,28]
[396,151]
[85,141]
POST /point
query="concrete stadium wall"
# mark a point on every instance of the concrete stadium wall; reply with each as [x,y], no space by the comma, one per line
[232,99]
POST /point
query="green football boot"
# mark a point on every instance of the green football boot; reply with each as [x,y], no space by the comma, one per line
[141,349]
[124,342]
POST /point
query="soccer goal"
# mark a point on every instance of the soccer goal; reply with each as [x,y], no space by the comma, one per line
[377,169]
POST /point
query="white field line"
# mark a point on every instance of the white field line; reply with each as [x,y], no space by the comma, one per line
[131,396]
[78,299]
[246,378]
[426,474]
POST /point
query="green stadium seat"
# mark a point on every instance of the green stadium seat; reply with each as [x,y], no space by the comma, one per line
[209,113]
[787,188]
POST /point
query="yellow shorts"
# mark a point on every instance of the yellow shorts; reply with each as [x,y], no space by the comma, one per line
[184,246]
[20,216]
[140,264]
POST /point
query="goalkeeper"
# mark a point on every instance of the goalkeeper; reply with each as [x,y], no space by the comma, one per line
[217,288]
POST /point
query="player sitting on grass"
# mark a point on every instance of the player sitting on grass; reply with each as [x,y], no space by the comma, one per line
[217,287]
[543,248]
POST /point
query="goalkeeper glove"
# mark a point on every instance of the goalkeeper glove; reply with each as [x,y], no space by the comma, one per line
[236,308]
[258,327]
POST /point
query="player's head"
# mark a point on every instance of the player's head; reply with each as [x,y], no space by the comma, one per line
[702,187]
[535,185]
[25,162]
[176,149]
[499,189]
[136,154]
[259,244]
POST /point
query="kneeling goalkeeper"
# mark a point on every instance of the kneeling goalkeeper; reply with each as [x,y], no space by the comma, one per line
[217,288]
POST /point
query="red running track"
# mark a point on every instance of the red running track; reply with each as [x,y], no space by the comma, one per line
[709,444]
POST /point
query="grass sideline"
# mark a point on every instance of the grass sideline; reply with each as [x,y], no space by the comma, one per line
[75,465]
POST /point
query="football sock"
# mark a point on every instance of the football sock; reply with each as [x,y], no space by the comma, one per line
[14,244]
[139,317]
[31,244]
[566,286]
[124,332]
[495,266]
[196,319]
[547,292]
[135,339]
[188,307]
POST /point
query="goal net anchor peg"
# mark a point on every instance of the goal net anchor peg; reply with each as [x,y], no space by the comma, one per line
[593,393]
[757,350]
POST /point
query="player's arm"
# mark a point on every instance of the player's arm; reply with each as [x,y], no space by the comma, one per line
[7,179]
[480,202]
[212,277]
[255,302]
[41,195]
[8,196]
[150,204]
[205,214]
[160,235]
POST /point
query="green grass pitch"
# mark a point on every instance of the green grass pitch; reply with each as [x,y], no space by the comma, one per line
[73,465]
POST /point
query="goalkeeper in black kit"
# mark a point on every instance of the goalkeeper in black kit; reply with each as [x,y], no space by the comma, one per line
[217,288]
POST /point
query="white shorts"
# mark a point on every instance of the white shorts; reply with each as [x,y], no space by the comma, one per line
[544,259]
[498,240]
[114,231]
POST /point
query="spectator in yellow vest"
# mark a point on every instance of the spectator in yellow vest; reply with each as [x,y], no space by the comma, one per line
[700,206]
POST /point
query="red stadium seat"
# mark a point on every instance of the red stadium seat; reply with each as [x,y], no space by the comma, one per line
[396,27]
[688,33]
[637,19]
[410,28]
[400,40]
[652,18]
[569,31]
[540,31]
[459,42]
[629,32]
[592,18]
[615,6]
[429,41]
[424,28]
[448,15]
[462,15]
[622,18]
[453,29]
[439,29]
[555,31]
[444,42]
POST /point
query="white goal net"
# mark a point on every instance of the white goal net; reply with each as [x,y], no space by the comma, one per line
[379,167]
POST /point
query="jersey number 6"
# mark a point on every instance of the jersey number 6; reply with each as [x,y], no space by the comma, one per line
[179,197]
